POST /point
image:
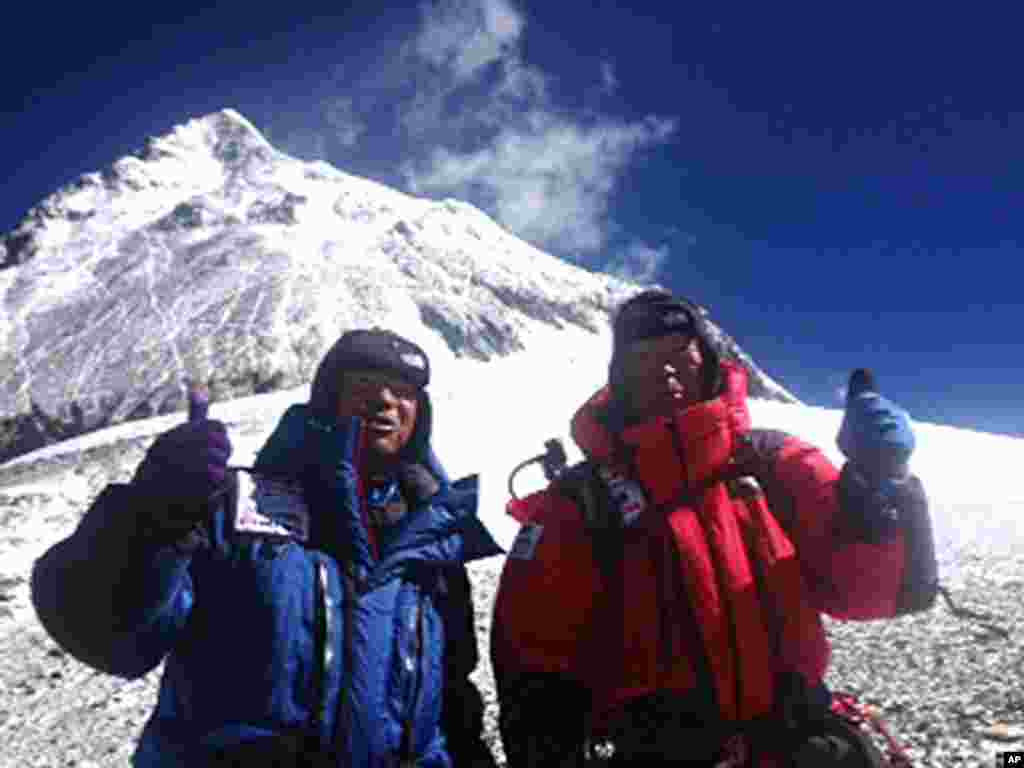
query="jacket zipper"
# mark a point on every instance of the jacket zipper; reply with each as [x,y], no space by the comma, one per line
[718,568]
[664,596]
[326,628]
[342,726]
[408,735]
[353,584]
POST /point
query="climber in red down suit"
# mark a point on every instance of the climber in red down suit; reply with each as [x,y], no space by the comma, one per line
[662,601]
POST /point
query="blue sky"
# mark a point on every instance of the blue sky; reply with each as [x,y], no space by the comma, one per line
[841,187]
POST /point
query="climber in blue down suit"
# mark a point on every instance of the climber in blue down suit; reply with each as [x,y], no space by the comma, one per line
[312,611]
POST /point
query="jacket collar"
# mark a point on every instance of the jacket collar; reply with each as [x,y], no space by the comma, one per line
[440,526]
[672,454]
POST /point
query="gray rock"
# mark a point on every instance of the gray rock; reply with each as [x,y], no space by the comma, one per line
[54,710]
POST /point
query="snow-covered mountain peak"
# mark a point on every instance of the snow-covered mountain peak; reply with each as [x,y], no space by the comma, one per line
[226,134]
[210,255]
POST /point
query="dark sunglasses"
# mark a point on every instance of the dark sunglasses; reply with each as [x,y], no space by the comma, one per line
[368,384]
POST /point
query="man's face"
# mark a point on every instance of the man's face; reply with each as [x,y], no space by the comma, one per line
[387,405]
[661,375]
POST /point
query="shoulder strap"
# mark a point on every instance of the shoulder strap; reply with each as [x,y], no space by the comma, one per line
[606,509]
[582,484]
[600,509]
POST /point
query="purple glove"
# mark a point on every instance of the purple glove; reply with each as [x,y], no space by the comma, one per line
[185,468]
[198,402]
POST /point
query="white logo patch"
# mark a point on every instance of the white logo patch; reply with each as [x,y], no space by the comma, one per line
[411,358]
[525,545]
[261,503]
[676,320]
[627,495]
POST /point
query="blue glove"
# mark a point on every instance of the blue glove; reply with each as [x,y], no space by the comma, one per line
[302,442]
[877,439]
[876,435]
[334,450]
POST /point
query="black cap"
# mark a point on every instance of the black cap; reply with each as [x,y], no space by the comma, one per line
[379,349]
[375,349]
[655,313]
[651,314]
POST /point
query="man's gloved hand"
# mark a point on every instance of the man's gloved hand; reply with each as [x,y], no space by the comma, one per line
[878,440]
[183,470]
[304,441]
[330,444]
[876,435]
[334,450]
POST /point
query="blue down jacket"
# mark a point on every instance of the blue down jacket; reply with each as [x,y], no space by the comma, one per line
[280,626]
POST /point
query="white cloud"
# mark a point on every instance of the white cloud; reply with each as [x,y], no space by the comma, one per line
[424,114]
[548,179]
[505,145]
[640,262]
[466,53]
[340,114]
[520,85]
[465,36]
[330,118]
[473,119]
[608,78]
[304,145]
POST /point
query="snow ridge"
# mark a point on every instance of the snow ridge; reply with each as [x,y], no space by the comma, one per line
[209,255]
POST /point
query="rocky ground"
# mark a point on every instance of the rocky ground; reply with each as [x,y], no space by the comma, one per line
[950,689]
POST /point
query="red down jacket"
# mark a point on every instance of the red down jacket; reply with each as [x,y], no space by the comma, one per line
[716,597]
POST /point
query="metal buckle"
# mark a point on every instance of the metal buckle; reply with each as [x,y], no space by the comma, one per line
[736,753]
[600,751]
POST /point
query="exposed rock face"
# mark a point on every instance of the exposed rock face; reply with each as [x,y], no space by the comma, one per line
[210,255]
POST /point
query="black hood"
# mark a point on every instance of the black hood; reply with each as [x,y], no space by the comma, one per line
[386,351]
[647,315]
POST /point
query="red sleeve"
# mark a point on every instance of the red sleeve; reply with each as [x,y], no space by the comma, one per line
[849,578]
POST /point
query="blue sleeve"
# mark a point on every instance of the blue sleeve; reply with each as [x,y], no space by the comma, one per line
[111,596]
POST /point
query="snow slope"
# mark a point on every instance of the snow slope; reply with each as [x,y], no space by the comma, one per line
[489,416]
[949,688]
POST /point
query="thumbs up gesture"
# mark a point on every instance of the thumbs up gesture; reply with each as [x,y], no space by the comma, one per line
[185,467]
[876,435]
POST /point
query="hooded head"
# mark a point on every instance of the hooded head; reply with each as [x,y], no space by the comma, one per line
[656,323]
[381,377]
[861,380]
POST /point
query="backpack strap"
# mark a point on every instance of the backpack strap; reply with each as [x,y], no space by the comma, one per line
[602,512]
